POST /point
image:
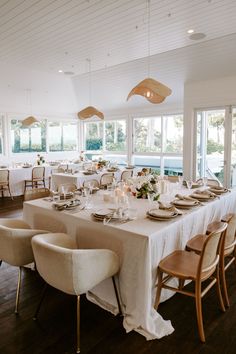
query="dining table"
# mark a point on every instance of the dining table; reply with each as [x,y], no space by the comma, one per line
[140,242]
[80,177]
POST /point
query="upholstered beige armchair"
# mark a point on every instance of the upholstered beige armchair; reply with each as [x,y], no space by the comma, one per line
[15,246]
[71,270]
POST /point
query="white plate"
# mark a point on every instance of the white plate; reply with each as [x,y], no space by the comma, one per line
[161,218]
[160,213]
[185,203]
[103,212]
[218,190]
[201,196]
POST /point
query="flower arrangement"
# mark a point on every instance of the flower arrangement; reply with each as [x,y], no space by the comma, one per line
[141,186]
[40,159]
[102,163]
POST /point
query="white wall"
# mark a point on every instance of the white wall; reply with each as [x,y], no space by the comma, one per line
[52,96]
[203,94]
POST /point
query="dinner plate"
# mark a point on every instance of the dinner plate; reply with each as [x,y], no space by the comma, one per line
[218,190]
[185,204]
[201,197]
[86,173]
[66,205]
[160,214]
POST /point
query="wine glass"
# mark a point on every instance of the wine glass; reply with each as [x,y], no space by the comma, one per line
[204,181]
[181,179]
[189,184]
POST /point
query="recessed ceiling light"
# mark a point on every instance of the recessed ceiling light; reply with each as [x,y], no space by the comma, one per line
[190,31]
[197,36]
[60,71]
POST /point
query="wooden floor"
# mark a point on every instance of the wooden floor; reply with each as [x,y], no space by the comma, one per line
[101,332]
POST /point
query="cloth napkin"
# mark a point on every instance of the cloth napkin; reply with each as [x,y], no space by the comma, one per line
[184,197]
[169,208]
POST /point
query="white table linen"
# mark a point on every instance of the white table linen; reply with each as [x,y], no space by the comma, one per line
[140,244]
[78,178]
[18,175]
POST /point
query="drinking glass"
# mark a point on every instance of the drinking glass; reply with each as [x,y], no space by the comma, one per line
[189,184]
[55,196]
[181,179]
[204,181]
[63,191]
[87,195]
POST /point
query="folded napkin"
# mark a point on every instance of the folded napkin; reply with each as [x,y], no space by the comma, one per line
[169,208]
[184,197]
[206,192]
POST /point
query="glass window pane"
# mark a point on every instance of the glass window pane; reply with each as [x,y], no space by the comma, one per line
[54,136]
[233,153]
[62,136]
[28,139]
[93,136]
[69,137]
[173,166]
[173,133]
[147,134]
[115,135]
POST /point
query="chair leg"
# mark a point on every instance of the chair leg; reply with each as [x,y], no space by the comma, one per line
[117,295]
[18,289]
[181,283]
[218,288]
[40,302]
[78,325]
[159,287]
[10,192]
[224,285]
[0,262]
[198,302]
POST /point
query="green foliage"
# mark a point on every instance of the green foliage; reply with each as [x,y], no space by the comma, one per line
[212,147]
[94,144]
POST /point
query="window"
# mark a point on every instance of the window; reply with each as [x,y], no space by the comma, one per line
[115,135]
[158,143]
[28,139]
[109,136]
[62,136]
[94,136]
[147,134]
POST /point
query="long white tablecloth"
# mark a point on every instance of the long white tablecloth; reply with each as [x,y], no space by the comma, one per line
[140,244]
[17,177]
[78,178]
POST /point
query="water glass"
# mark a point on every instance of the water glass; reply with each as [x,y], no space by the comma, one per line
[55,197]
[181,179]
[204,181]
[189,184]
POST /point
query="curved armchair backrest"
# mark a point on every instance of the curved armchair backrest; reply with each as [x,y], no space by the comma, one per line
[38,172]
[211,249]
[106,178]
[15,243]
[230,237]
[69,269]
[92,182]
[67,187]
[126,174]
[87,165]
[4,176]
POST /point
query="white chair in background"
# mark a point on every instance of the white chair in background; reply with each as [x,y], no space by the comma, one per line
[37,179]
[106,178]
[15,246]
[4,182]
[71,270]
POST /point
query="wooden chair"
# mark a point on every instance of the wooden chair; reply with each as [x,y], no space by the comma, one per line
[92,182]
[228,251]
[106,178]
[185,265]
[37,179]
[71,270]
[4,182]
[210,182]
[126,175]
[36,193]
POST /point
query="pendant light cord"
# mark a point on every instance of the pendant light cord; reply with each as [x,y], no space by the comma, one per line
[89,69]
[148,34]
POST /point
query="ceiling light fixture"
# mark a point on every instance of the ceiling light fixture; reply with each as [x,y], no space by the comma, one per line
[60,71]
[197,36]
[190,31]
[152,90]
[28,121]
[89,111]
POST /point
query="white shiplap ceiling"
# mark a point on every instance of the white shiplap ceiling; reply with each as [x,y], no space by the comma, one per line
[49,35]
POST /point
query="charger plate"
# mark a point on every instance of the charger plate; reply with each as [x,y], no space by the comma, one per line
[161,215]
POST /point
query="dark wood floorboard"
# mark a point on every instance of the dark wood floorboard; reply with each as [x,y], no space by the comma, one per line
[101,332]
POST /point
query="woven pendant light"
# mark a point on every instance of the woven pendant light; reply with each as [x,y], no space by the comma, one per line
[89,111]
[31,119]
[152,90]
